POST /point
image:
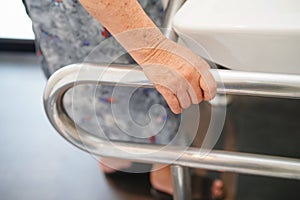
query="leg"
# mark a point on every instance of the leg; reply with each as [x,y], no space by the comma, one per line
[111,165]
[161,180]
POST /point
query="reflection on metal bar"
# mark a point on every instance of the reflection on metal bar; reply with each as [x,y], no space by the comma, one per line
[259,84]
[234,82]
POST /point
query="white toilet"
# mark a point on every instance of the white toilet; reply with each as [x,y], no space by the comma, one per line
[248,35]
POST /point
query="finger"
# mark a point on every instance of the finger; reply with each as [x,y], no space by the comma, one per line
[207,81]
[196,94]
[184,99]
[194,91]
[170,98]
[208,85]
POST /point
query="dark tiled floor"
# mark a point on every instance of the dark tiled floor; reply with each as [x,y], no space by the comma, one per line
[36,163]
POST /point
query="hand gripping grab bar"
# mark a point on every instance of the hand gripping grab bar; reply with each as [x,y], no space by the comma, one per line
[238,83]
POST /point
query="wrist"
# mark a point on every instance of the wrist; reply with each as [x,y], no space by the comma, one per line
[140,43]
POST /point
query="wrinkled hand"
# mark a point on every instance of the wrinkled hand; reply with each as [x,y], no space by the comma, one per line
[178,74]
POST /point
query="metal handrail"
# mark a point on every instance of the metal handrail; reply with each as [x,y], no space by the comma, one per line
[238,83]
[274,85]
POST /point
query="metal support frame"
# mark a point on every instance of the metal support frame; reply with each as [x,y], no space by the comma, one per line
[172,8]
[181,181]
[245,83]
[235,82]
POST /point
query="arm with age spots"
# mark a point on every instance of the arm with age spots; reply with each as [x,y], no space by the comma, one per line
[178,74]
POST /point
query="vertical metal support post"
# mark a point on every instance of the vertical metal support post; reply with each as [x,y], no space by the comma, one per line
[172,8]
[181,180]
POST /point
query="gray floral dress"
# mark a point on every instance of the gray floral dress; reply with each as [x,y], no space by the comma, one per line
[66,34]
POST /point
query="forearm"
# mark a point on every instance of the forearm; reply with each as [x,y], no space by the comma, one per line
[177,73]
[127,22]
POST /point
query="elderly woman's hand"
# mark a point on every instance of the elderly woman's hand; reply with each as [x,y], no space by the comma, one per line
[178,74]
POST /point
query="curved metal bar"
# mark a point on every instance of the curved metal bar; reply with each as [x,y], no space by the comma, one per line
[172,8]
[273,85]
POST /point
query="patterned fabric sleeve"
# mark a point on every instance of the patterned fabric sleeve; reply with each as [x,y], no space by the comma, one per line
[65,33]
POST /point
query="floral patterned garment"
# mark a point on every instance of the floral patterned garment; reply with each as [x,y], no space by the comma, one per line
[66,34]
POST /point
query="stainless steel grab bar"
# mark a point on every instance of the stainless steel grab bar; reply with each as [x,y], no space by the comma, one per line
[244,83]
[235,83]
[229,81]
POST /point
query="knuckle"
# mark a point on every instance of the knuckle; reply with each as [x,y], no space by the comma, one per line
[188,74]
